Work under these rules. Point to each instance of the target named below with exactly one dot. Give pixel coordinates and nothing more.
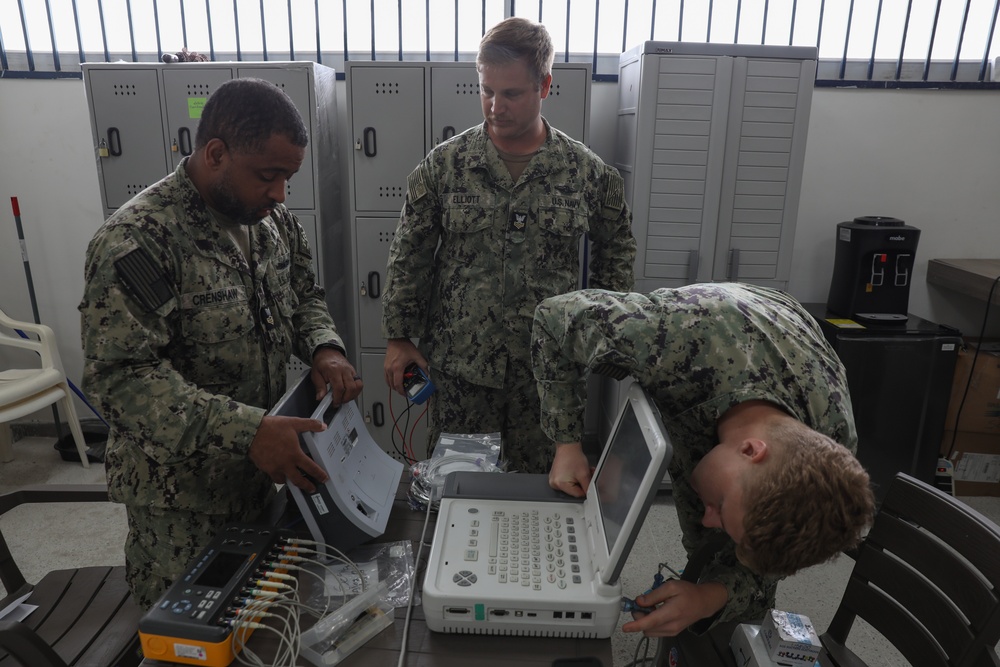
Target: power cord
(413, 587)
(975, 359)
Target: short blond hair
(813, 501)
(516, 39)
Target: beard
(226, 202)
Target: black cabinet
(900, 378)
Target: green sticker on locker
(480, 611)
(195, 106)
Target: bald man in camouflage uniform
(509, 202)
(707, 354)
(197, 292)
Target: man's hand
(681, 604)
(570, 471)
(330, 366)
(275, 450)
(400, 353)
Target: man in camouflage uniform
(508, 201)
(197, 291)
(755, 402)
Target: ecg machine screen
(621, 474)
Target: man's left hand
(679, 604)
(331, 367)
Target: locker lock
(102, 149)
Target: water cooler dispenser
(873, 269)
(899, 366)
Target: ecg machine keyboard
(530, 547)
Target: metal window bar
(989, 41)
(961, 38)
(930, 46)
(79, 36)
(952, 20)
(52, 37)
(27, 43)
(236, 20)
(131, 29)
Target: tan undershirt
(240, 234)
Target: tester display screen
(222, 568)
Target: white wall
(930, 158)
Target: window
(876, 42)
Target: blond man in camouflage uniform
(509, 202)
(197, 292)
(755, 402)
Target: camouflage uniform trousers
(161, 543)
(459, 406)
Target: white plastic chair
(27, 390)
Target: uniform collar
(485, 156)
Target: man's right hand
(275, 450)
(400, 353)
(570, 471)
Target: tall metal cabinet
(397, 112)
(711, 142)
(144, 117)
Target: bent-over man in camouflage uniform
(755, 402)
(197, 291)
(509, 202)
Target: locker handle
(734, 264)
(378, 414)
(184, 140)
(374, 284)
(447, 132)
(369, 133)
(693, 257)
(114, 142)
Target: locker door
(386, 144)
(125, 104)
(455, 101)
(681, 193)
(373, 237)
(185, 90)
(568, 102)
(295, 82)
(396, 429)
(756, 215)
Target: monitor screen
(620, 477)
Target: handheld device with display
(417, 384)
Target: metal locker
(567, 107)
(185, 91)
(374, 235)
(385, 413)
(387, 133)
(455, 102)
(127, 131)
(295, 82)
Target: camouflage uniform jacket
(698, 351)
(504, 247)
(179, 358)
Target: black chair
(85, 616)
(927, 578)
